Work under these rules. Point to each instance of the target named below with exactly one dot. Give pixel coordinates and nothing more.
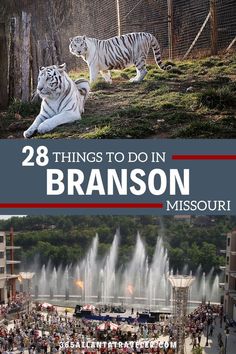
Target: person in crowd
(39, 331)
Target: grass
(193, 99)
(197, 350)
(23, 108)
(218, 98)
(18, 116)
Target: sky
(5, 217)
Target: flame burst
(130, 289)
(79, 283)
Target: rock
(190, 89)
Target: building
(7, 277)
(230, 276)
(183, 218)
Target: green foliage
(23, 108)
(17, 116)
(175, 70)
(224, 128)
(66, 239)
(101, 85)
(198, 350)
(97, 133)
(211, 62)
(220, 98)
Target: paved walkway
(213, 347)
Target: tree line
(66, 239)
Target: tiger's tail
(83, 87)
(157, 53)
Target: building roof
(8, 261)
(26, 275)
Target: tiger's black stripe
(117, 52)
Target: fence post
(4, 66)
(214, 28)
(170, 28)
(25, 62)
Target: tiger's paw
(27, 134)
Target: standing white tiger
(62, 99)
(116, 53)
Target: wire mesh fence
(183, 28)
(226, 16)
(148, 16)
(204, 26)
(176, 23)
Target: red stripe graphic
(203, 157)
(80, 205)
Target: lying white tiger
(116, 53)
(62, 99)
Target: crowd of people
(203, 319)
(19, 303)
(37, 332)
(42, 332)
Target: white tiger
(62, 99)
(116, 53)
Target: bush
(101, 85)
(210, 62)
(25, 109)
(131, 112)
(219, 98)
(175, 70)
(199, 129)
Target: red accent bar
(80, 205)
(203, 157)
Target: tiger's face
(50, 80)
(78, 46)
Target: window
(226, 278)
(2, 270)
(1, 239)
(227, 260)
(228, 241)
(1, 255)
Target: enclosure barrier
(36, 33)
